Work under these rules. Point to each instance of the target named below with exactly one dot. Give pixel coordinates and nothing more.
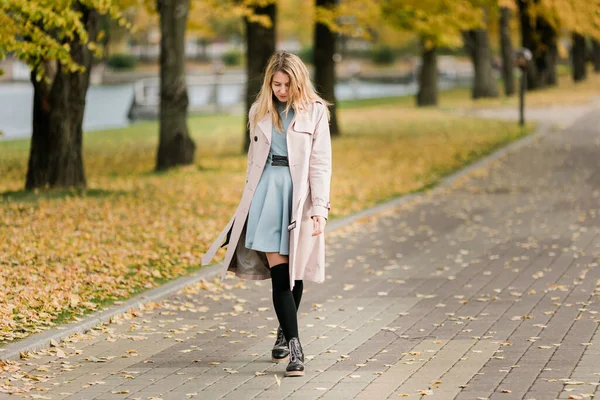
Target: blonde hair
(302, 92)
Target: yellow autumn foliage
(581, 16)
(36, 31)
(438, 22)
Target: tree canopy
(38, 31)
(438, 22)
(580, 16)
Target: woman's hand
(318, 225)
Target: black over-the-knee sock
(283, 300)
(297, 292)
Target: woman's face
(281, 86)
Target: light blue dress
(271, 207)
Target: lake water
(107, 106)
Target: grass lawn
(63, 253)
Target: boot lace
(280, 341)
(294, 351)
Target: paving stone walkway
(484, 290)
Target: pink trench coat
(309, 155)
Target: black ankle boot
(280, 350)
(296, 365)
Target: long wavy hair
(301, 91)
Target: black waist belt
(279, 161)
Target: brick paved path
(487, 290)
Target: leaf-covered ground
(63, 253)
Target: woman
(278, 228)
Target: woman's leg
(297, 292)
(285, 308)
(275, 259)
(280, 351)
(283, 298)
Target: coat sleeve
(319, 172)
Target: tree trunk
(540, 38)
(325, 43)
(578, 54)
(527, 41)
(260, 45)
(506, 49)
(596, 55)
(478, 47)
(549, 37)
(428, 78)
(55, 157)
(175, 146)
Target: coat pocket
(305, 125)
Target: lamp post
(522, 59)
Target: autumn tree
(539, 36)
(596, 55)
(323, 59)
(352, 18)
(541, 20)
(579, 55)
(260, 21)
(438, 23)
(175, 146)
(477, 45)
(582, 18)
(58, 40)
(506, 48)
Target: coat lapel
(266, 126)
